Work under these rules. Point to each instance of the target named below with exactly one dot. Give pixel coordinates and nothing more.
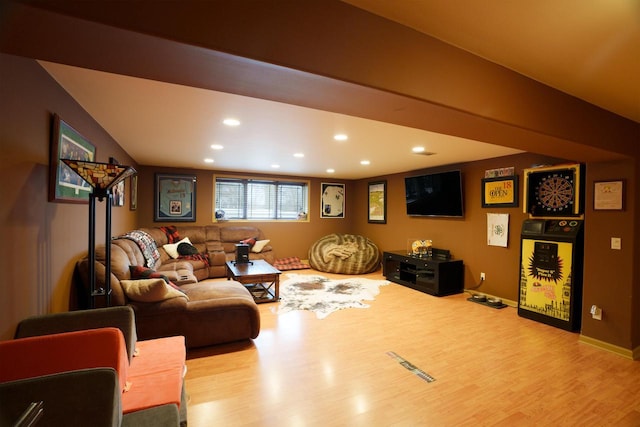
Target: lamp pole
(92, 250)
(101, 195)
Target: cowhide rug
(323, 296)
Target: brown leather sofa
(213, 311)
(218, 242)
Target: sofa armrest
(178, 271)
(121, 317)
(75, 398)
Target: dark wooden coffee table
(259, 277)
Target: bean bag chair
(344, 254)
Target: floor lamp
(102, 177)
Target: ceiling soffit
(392, 98)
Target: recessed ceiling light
(299, 155)
(275, 166)
(217, 146)
(365, 162)
(208, 160)
(231, 122)
(340, 137)
(418, 149)
(331, 170)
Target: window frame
(244, 180)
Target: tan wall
(287, 238)
(609, 273)
(466, 238)
(41, 240)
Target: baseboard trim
(620, 351)
(510, 303)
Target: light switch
(616, 243)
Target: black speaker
(242, 253)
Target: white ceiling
(587, 49)
(165, 124)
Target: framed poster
(500, 192)
(608, 195)
(66, 143)
(175, 197)
(498, 229)
(117, 191)
(331, 200)
(133, 196)
(377, 202)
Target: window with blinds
(260, 199)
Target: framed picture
(117, 194)
(500, 192)
(377, 202)
(175, 197)
(331, 200)
(608, 195)
(133, 193)
(65, 185)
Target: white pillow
(259, 245)
(149, 290)
(172, 248)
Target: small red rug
(291, 263)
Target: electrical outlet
(482, 277)
(616, 243)
(596, 312)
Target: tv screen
(436, 194)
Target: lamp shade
(101, 176)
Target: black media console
(430, 275)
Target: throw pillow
(172, 248)
(149, 290)
(250, 241)
(186, 249)
(259, 246)
(139, 272)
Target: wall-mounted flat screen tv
(435, 194)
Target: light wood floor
(491, 367)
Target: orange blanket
(155, 374)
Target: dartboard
(552, 192)
(555, 192)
